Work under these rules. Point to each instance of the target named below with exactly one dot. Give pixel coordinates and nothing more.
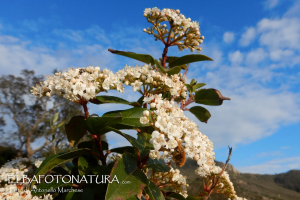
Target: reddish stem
(97, 139)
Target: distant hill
(285, 186)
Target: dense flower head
(18, 167)
(86, 83)
(183, 32)
(173, 128)
(172, 179)
(15, 169)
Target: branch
(40, 148)
(220, 174)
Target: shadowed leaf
(140, 57)
(189, 59)
(75, 129)
(210, 97)
(201, 113)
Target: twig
(219, 176)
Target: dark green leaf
(173, 70)
(210, 97)
(144, 144)
(54, 160)
(122, 150)
(97, 125)
(130, 139)
(201, 113)
(132, 179)
(194, 198)
(101, 170)
(75, 129)
(159, 67)
(130, 117)
(153, 191)
(189, 59)
(91, 145)
(86, 163)
(88, 193)
(158, 165)
(74, 196)
(175, 196)
(140, 57)
(60, 170)
(140, 101)
(112, 99)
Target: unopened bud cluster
(224, 186)
(181, 31)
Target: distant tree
(30, 115)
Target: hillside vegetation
(285, 186)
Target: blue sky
(255, 46)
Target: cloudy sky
(255, 46)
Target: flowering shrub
(165, 136)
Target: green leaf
(75, 129)
(170, 59)
(101, 170)
(198, 85)
(194, 198)
(159, 67)
(97, 125)
(112, 99)
(153, 191)
(201, 113)
(54, 160)
(144, 144)
(88, 193)
(158, 165)
(91, 145)
(210, 97)
(86, 163)
(74, 196)
(122, 150)
(173, 70)
(169, 71)
(130, 139)
(175, 196)
(44, 187)
(60, 170)
(130, 117)
(55, 117)
(189, 59)
(127, 171)
(140, 57)
(60, 124)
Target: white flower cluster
(13, 192)
(14, 170)
(173, 128)
(88, 82)
(173, 179)
(184, 32)
(83, 82)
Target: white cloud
(248, 36)
(228, 37)
(256, 56)
(269, 4)
(273, 166)
(235, 57)
(280, 33)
